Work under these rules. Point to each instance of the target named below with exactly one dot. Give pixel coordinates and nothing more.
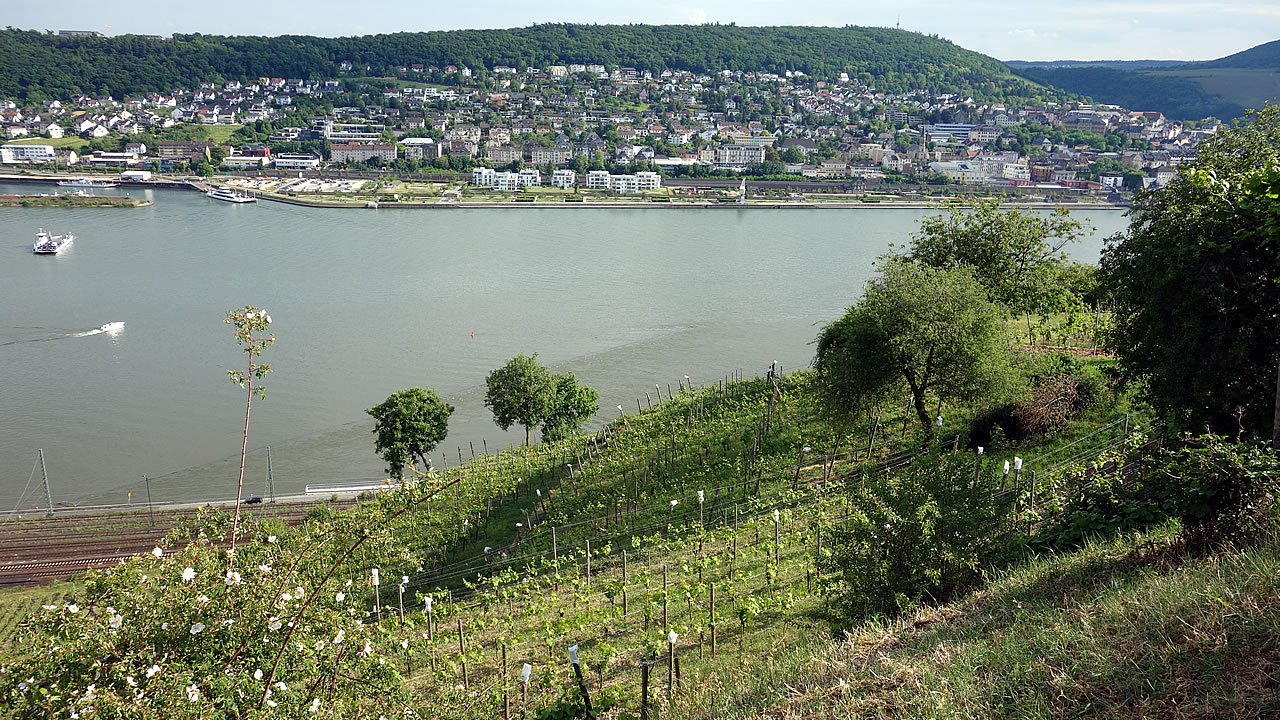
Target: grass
(70, 142)
(1130, 628)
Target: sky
(1020, 30)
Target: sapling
(250, 325)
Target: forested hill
(36, 65)
(1262, 57)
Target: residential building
(597, 179)
(564, 179)
(739, 155)
(355, 152)
(529, 177)
(28, 153)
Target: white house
(564, 179)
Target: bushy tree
(932, 329)
(520, 392)
(571, 406)
(1014, 254)
(1196, 283)
(409, 424)
(919, 535)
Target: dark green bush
(1221, 491)
(918, 535)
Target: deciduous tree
(409, 424)
(520, 392)
(932, 329)
(1196, 279)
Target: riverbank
(72, 201)
(435, 202)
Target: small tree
(930, 328)
(409, 424)
(520, 392)
(1015, 255)
(571, 406)
(250, 327)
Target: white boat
(226, 193)
(111, 327)
(85, 182)
(47, 244)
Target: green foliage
(1061, 388)
(34, 65)
(917, 536)
(1197, 285)
(1221, 491)
(409, 424)
(1013, 253)
(931, 328)
(571, 406)
(520, 392)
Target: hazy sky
(1024, 30)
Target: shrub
(1221, 491)
(919, 535)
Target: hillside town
(569, 125)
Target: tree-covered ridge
(35, 64)
(1175, 96)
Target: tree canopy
(407, 425)
(571, 406)
(1196, 279)
(932, 329)
(35, 65)
(1015, 255)
(520, 392)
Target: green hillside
(35, 65)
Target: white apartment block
(529, 177)
(598, 179)
(564, 179)
(623, 184)
(488, 177)
(739, 155)
(15, 153)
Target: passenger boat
(85, 182)
(47, 244)
(226, 193)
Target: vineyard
(681, 545)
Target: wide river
(367, 302)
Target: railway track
(39, 550)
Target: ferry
(112, 327)
(47, 244)
(85, 182)
(226, 193)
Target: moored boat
(85, 182)
(47, 244)
(229, 195)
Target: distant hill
(1262, 57)
(1117, 64)
(36, 65)
(1221, 88)
(1178, 97)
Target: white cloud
(698, 16)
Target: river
(367, 302)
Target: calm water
(369, 302)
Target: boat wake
(111, 328)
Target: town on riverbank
(451, 135)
